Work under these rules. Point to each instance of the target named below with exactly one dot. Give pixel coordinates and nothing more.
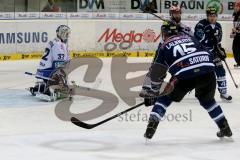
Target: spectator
(236, 34)
(51, 7)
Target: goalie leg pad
(58, 77)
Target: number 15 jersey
(184, 57)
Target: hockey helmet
(169, 28)
(211, 11)
(63, 32)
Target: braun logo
(83, 4)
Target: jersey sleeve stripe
(193, 67)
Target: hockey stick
(222, 52)
(149, 8)
(79, 123)
(32, 74)
(230, 74)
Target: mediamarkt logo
(115, 36)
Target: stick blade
(81, 124)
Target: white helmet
(63, 32)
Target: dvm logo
(137, 4)
(83, 4)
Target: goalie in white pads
(51, 79)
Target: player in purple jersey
(191, 67)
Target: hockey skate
(40, 87)
(224, 130)
(54, 94)
(151, 127)
(33, 90)
(226, 97)
(236, 66)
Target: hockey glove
(149, 101)
(221, 53)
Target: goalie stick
(79, 123)
(32, 74)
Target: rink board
(32, 56)
(27, 39)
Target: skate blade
(226, 101)
(226, 139)
(147, 141)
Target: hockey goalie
(51, 78)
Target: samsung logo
(23, 37)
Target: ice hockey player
(236, 34)
(175, 14)
(191, 67)
(209, 33)
(50, 71)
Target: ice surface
(29, 128)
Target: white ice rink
(30, 130)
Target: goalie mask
(63, 32)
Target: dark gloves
(221, 53)
(149, 101)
